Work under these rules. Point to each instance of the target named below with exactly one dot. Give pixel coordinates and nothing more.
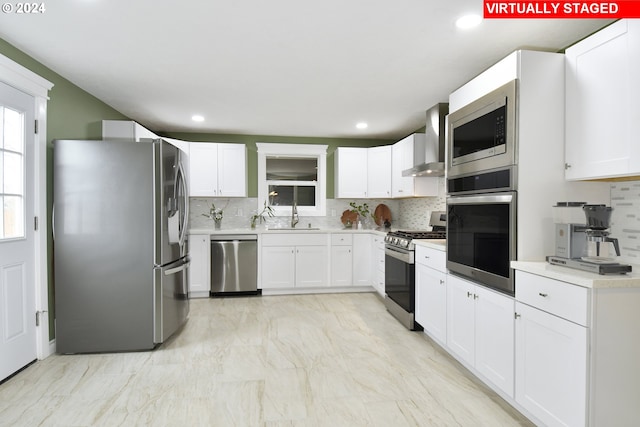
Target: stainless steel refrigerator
(119, 222)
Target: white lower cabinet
(431, 292)
(377, 258)
(199, 272)
(295, 260)
(480, 331)
(341, 259)
(278, 267)
(361, 260)
(551, 367)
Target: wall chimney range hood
(428, 153)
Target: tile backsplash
(625, 219)
(405, 213)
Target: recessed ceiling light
(468, 21)
(197, 118)
(362, 125)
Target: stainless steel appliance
(481, 228)
(119, 222)
(234, 265)
(428, 152)
(482, 134)
(594, 233)
(400, 269)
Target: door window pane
(12, 159)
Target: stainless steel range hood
(428, 154)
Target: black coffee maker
(598, 220)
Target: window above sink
(292, 172)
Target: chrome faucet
(294, 215)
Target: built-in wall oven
(481, 228)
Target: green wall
(252, 153)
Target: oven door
(399, 276)
(481, 238)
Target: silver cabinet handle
(469, 294)
(543, 295)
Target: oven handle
(404, 256)
(482, 199)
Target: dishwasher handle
(232, 237)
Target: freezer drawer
(234, 265)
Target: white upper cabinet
(125, 129)
(603, 104)
(350, 172)
(363, 172)
(379, 172)
(402, 159)
(218, 170)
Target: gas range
(404, 239)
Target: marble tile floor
(308, 360)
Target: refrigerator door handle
(185, 264)
(182, 180)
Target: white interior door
(17, 250)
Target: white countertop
(439, 244)
(578, 277)
(263, 230)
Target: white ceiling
(275, 67)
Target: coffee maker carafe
(598, 219)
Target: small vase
(217, 223)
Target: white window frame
(318, 152)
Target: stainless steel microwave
(482, 134)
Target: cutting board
(382, 213)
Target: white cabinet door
(431, 301)
(377, 258)
(350, 172)
(341, 265)
(461, 318)
(603, 103)
(125, 129)
(200, 269)
(232, 166)
(278, 267)
(311, 266)
(203, 169)
(217, 170)
(379, 172)
(551, 367)
(401, 159)
(495, 338)
(361, 259)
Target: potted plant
(362, 211)
(216, 215)
(266, 210)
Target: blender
(587, 246)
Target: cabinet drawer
(341, 239)
(431, 258)
(294, 239)
(565, 300)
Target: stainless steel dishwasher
(234, 265)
